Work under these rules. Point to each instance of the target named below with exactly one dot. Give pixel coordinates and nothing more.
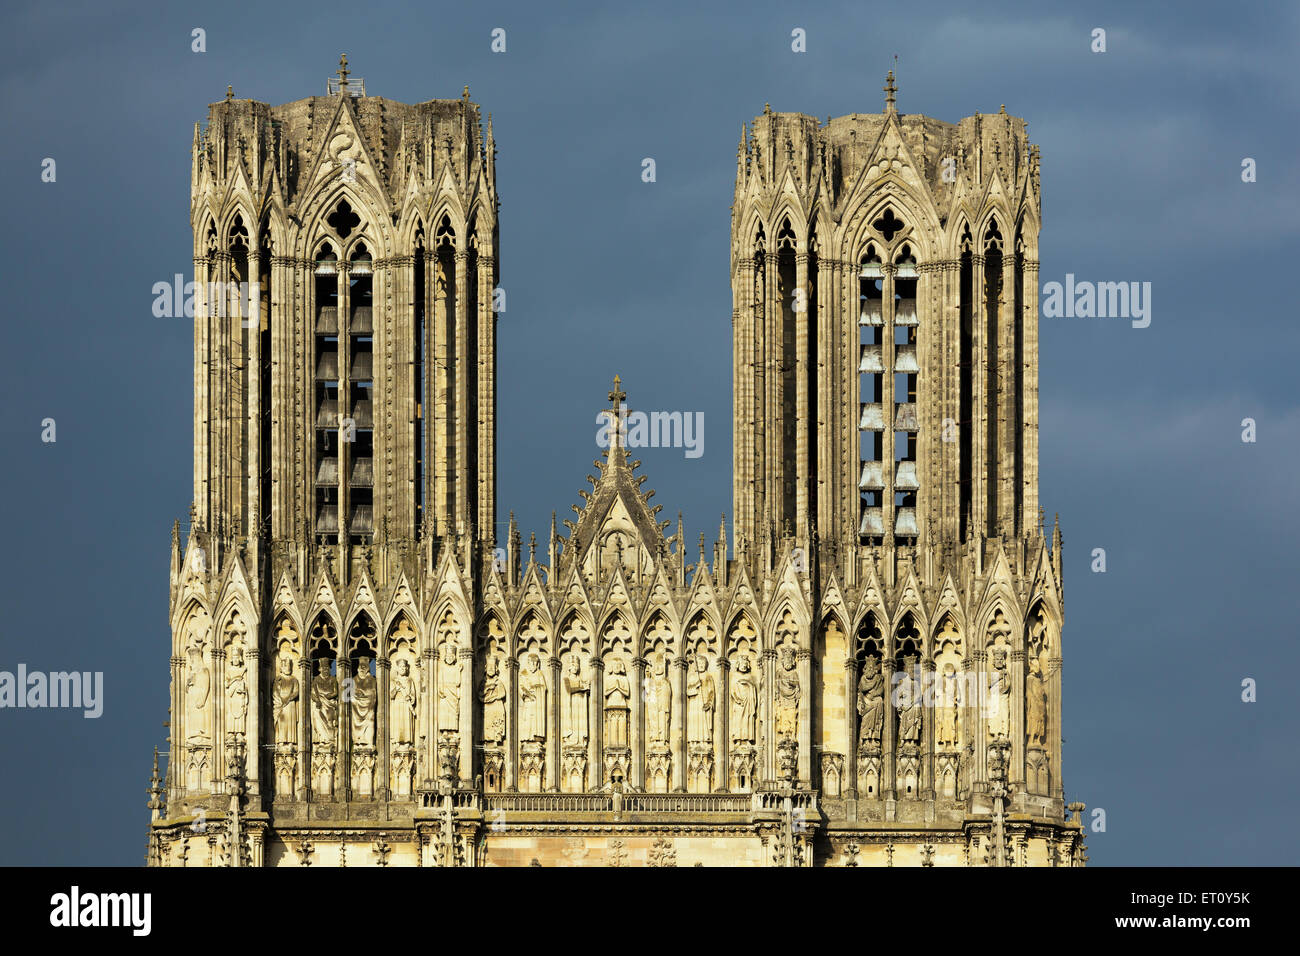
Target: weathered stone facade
(360, 676)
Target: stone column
(888, 737)
(1054, 728)
(979, 403)
(427, 715)
(766, 768)
(929, 694)
(977, 664)
(1016, 768)
(805, 718)
(849, 783)
(510, 673)
(304, 725)
(383, 768)
(596, 725)
(721, 726)
(636, 732)
(461, 484)
(467, 735)
(554, 770)
(252, 719)
(677, 727)
(176, 777)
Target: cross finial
(343, 72)
(890, 89)
(230, 92)
(616, 398)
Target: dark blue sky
(1140, 445)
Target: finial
(464, 94)
(343, 72)
(532, 547)
(230, 92)
(616, 397)
(890, 88)
(1003, 110)
(767, 109)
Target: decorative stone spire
(890, 89)
(616, 398)
(230, 92)
(343, 74)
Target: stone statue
(365, 692)
(998, 713)
(744, 702)
(1036, 703)
(577, 689)
(907, 697)
(618, 692)
(532, 700)
(284, 701)
(198, 687)
(493, 695)
(948, 726)
(405, 698)
(871, 702)
(788, 692)
(449, 668)
(701, 696)
(324, 705)
(236, 692)
(659, 701)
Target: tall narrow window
(871, 385)
(965, 385)
(241, 329)
(993, 293)
(906, 371)
(787, 286)
(360, 450)
(1018, 422)
(264, 380)
(327, 396)
(419, 379)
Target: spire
(616, 397)
(890, 89)
(343, 74)
(551, 550)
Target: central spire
(616, 398)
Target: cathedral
(864, 669)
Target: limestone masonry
(866, 671)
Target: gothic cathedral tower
(359, 675)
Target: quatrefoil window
(343, 220)
(888, 225)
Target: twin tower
(865, 671)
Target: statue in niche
(198, 687)
(907, 696)
(948, 725)
(744, 702)
(493, 695)
(284, 701)
(659, 701)
(532, 700)
(405, 698)
(577, 688)
(324, 705)
(701, 696)
(618, 692)
(236, 692)
(449, 669)
(788, 692)
(1036, 703)
(871, 702)
(999, 701)
(365, 693)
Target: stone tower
(360, 675)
